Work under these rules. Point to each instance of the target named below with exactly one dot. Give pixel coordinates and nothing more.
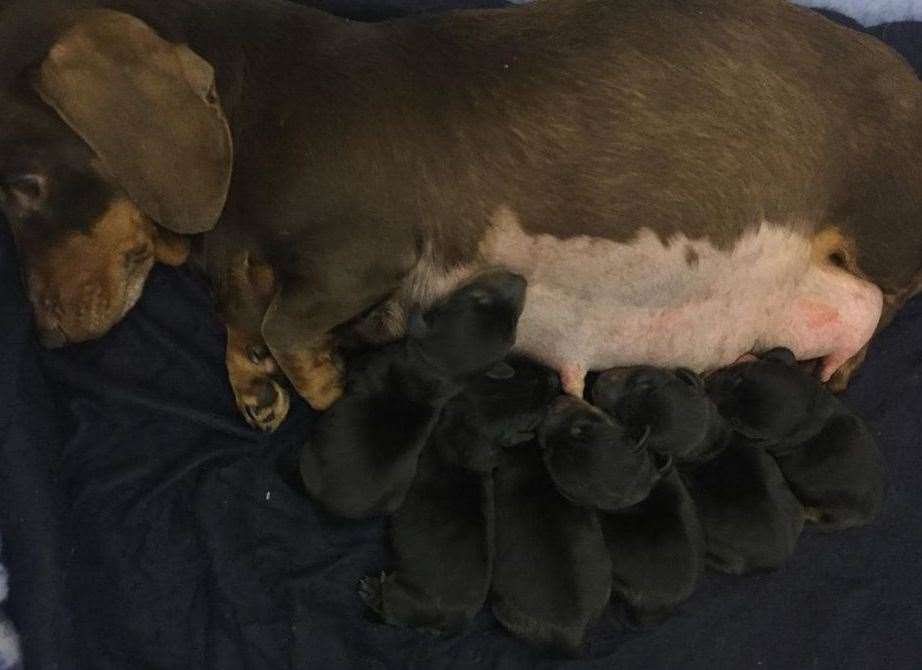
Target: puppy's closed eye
(481, 298)
(582, 430)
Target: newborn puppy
(594, 461)
(825, 452)
(442, 537)
(657, 552)
(499, 409)
(750, 517)
(443, 534)
(362, 453)
(552, 573)
(672, 404)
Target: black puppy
(657, 545)
(671, 404)
(552, 574)
(362, 454)
(825, 452)
(500, 409)
(594, 461)
(657, 552)
(443, 535)
(750, 517)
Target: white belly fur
(594, 304)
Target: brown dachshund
(680, 183)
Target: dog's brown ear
(149, 110)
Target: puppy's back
(838, 475)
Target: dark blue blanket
(145, 526)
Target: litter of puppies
(549, 508)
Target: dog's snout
(265, 393)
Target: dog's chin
(95, 326)
(134, 287)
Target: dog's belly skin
(594, 304)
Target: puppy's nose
(566, 403)
(553, 381)
(512, 287)
(609, 388)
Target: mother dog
(680, 182)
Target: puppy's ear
(149, 110)
(417, 327)
(779, 355)
(689, 377)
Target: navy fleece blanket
(146, 526)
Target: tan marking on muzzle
(86, 282)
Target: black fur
(443, 535)
(552, 574)
(594, 461)
(657, 552)
(361, 457)
(494, 412)
(751, 519)
(826, 453)
(672, 404)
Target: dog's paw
(323, 387)
(316, 373)
(251, 370)
(264, 404)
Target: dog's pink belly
(596, 304)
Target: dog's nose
(265, 393)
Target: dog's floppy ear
(149, 110)
(779, 355)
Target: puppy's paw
(264, 405)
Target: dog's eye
(137, 255)
(257, 353)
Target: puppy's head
(672, 405)
(112, 147)
(769, 398)
(594, 461)
(499, 409)
(474, 327)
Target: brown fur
(357, 146)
